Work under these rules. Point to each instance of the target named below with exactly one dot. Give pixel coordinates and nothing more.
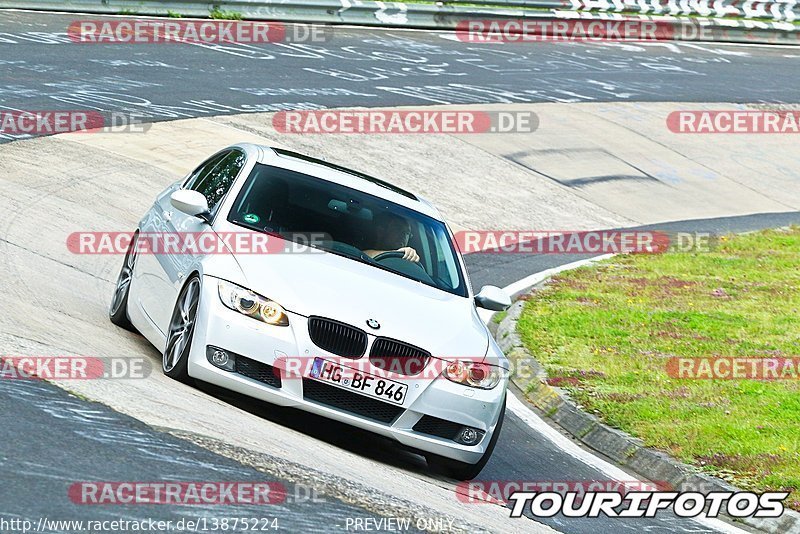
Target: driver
(392, 235)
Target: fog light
(469, 436)
(220, 358)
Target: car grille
(337, 338)
(398, 357)
(264, 373)
(354, 403)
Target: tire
(118, 310)
(462, 470)
(174, 361)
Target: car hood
(328, 285)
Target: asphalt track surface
(40, 69)
(505, 269)
(53, 440)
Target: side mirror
(190, 202)
(492, 298)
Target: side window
(447, 268)
(216, 182)
(205, 168)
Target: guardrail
(775, 10)
(770, 21)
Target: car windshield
(349, 223)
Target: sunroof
(367, 177)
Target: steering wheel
(344, 248)
(389, 254)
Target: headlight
(251, 304)
(476, 375)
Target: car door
(213, 182)
(151, 267)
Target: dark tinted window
(218, 180)
(349, 223)
(201, 171)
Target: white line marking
(529, 281)
(532, 280)
(530, 418)
(568, 446)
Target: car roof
(341, 175)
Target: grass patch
(220, 14)
(606, 332)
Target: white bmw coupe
(354, 305)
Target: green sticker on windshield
(251, 218)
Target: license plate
(359, 382)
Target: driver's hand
(409, 254)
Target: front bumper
(219, 326)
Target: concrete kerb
(556, 405)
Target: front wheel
(118, 311)
(462, 470)
(175, 361)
